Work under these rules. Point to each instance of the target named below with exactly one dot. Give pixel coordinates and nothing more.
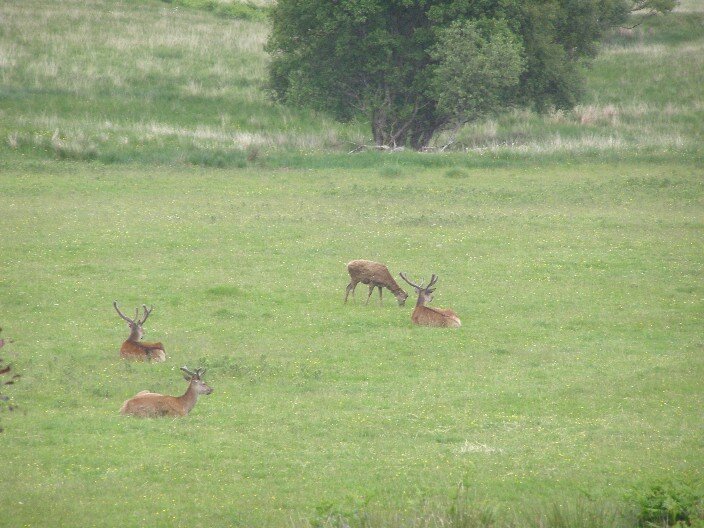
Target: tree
(477, 65)
(414, 67)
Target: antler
(409, 282)
(146, 313)
(433, 280)
(199, 373)
(114, 303)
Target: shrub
(671, 504)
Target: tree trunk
(414, 132)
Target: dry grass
(66, 56)
(257, 3)
(684, 52)
(591, 114)
(690, 6)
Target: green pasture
(576, 374)
(142, 161)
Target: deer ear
(187, 377)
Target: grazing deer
(133, 348)
(425, 315)
(148, 404)
(376, 275)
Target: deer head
(425, 294)
(136, 330)
(196, 380)
(401, 297)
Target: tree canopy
(414, 67)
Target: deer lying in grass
(147, 404)
(133, 348)
(376, 275)
(425, 315)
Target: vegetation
(413, 68)
(578, 287)
(671, 504)
(141, 82)
(250, 10)
(140, 162)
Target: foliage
(397, 62)
(671, 504)
(652, 6)
(476, 67)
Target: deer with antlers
(425, 315)
(376, 275)
(133, 347)
(146, 404)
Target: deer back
(438, 317)
(143, 351)
(152, 405)
(370, 272)
(146, 404)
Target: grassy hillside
(148, 82)
(160, 82)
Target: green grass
(226, 8)
(143, 81)
(577, 371)
(141, 160)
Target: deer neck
(189, 399)
(394, 287)
(135, 335)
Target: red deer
(148, 404)
(425, 315)
(133, 348)
(376, 275)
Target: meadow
(149, 82)
(142, 164)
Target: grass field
(577, 371)
(140, 162)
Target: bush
(671, 504)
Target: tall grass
(121, 81)
(643, 95)
(156, 82)
(250, 10)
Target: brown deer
(376, 275)
(425, 315)
(133, 348)
(148, 404)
